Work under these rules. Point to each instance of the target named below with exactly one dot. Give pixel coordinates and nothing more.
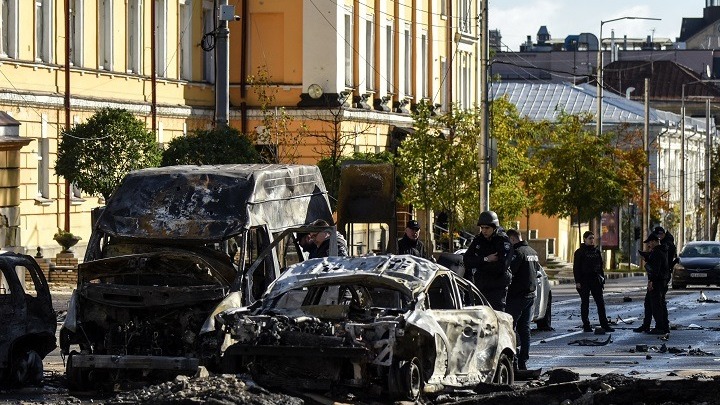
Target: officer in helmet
(487, 260)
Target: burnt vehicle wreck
(386, 325)
(27, 330)
(169, 247)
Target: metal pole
(67, 105)
(598, 119)
(681, 237)
(222, 66)
(646, 171)
(708, 166)
(484, 149)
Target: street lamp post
(598, 120)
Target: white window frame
(442, 98)
(43, 31)
(185, 32)
(208, 57)
(389, 57)
(161, 13)
(9, 29)
(407, 61)
(77, 18)
(370, 53)
(465, 16)
(348, 38)
(424, 47)
(43, 158)
(134, 36)
(105, 38)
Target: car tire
(678, 286)
(504, 374)
(78, 379)
(545, 323)
(406, 379)
(27, 368)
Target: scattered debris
(641, 348)
(619, 319)
(591, 342)
(627, 299)
(694, 326)
(562, 375)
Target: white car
(543, 295)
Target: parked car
(397, 326)
(169, 247)
(27, 330)
(543, 295)
(698, 264)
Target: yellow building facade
(320, 69)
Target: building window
(348, 51)
(186, 45)
(208, 57)
(105, 30)
(43, 31)
(442, 99)
(465, 16)
(407, 62)
(389, 57)
(161, 38)
(134, 36)
(424, 65)
(43, 157)
(370, 54)
(9, 18)
(76, 30)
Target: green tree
(516, 186)
(97, 154)
(582, 179)
(221, 145)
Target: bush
(222, 145)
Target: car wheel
(546, 322)
(504, 374)
(406, 381)
(27, 368)
(78, 379)
(678, 286)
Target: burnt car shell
(27, 330)
(170, 245)
(395, 325)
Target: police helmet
(489, 218)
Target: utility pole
(67, 104)
(646, 172)
(484, 147)
(222, 65)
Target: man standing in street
(525, 266)
(322, 241)
(590, 279)
(410, 243)
(656, 266)
(487, 260)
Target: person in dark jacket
(667, 243)
(590, 279)
(322, 241)
(487, 260)
(656, 267)
(410, 243)
(525, 266)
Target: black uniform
(657, 270)
(407, 246)
(324, 249)
(491, 278)
(588, 272)
(525, 266)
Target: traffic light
(637, 232)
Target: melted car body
(169, 247)
(27, 330)
(397, 325)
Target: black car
(699, 263)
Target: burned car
(169, 247)
(27, 331)
(389, 325)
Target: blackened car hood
(212, 203)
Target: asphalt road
(695, 331)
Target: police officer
(487, 260)
(590, 279)
(657, 268)
(410, 243)
(525, 266)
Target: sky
(516, 19)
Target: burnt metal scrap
(384, 325)
(591, 342)
(27, 320)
